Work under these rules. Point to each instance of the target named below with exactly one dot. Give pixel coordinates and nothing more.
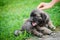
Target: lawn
(13, 13)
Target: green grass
(13, 13)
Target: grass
(13, 13)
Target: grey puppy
(41, 18)
(39, 24)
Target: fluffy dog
(39, 24)
(41, 18)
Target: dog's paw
(54, 28)
(52, 34)
(17, 32)
(40, 35)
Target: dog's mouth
(34, 23)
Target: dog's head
(38, 17)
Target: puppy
(41, 18)
(27, 26)
(39, 24)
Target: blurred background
(13, 13)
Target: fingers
(44, 6)
(41, 5)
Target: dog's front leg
(35, 32)
(51, 26)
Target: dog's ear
(43, 16)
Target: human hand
(44, 5)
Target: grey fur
(44, 24)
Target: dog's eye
(34, 15)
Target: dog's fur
(39, 24)
(41, 18)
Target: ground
(13, 13)
(55, 36)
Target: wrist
(53, 2)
